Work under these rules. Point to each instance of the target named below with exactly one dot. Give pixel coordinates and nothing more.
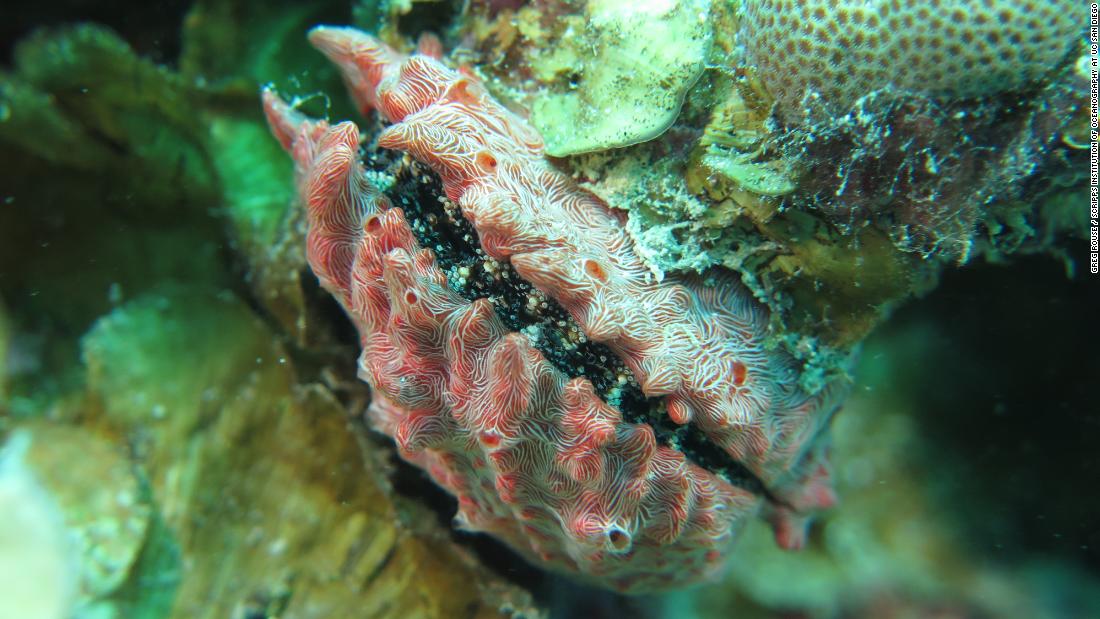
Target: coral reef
(838, 52)
(835, 212)
(536, 458)
(181, 430)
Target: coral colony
(953, 49)
(600, 421)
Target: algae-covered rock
(100, 500)
(639, 59)
(100, 142)
(258, 203)
(228, 49)
(111, 111)
(30, 119)
(37, 569)
(666, 220)
(99, 145)
(261, 481)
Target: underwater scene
(549, 309)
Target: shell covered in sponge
(846, 49)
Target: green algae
(139, 114)
(259, 205)
(760, 178)
(157, 155)
(98, 142)
(180, 334)
(257, 195)
(33, 122)
(150, 590)
(229, 48)
(628, 80)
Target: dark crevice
(1008, 436)
(438, 225)
(152, 29)
(433, 17)
(704, 452)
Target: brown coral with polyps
(843, 50)
(643, 496)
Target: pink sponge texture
(535, 457)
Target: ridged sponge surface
(529, 448)
(845, 49)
